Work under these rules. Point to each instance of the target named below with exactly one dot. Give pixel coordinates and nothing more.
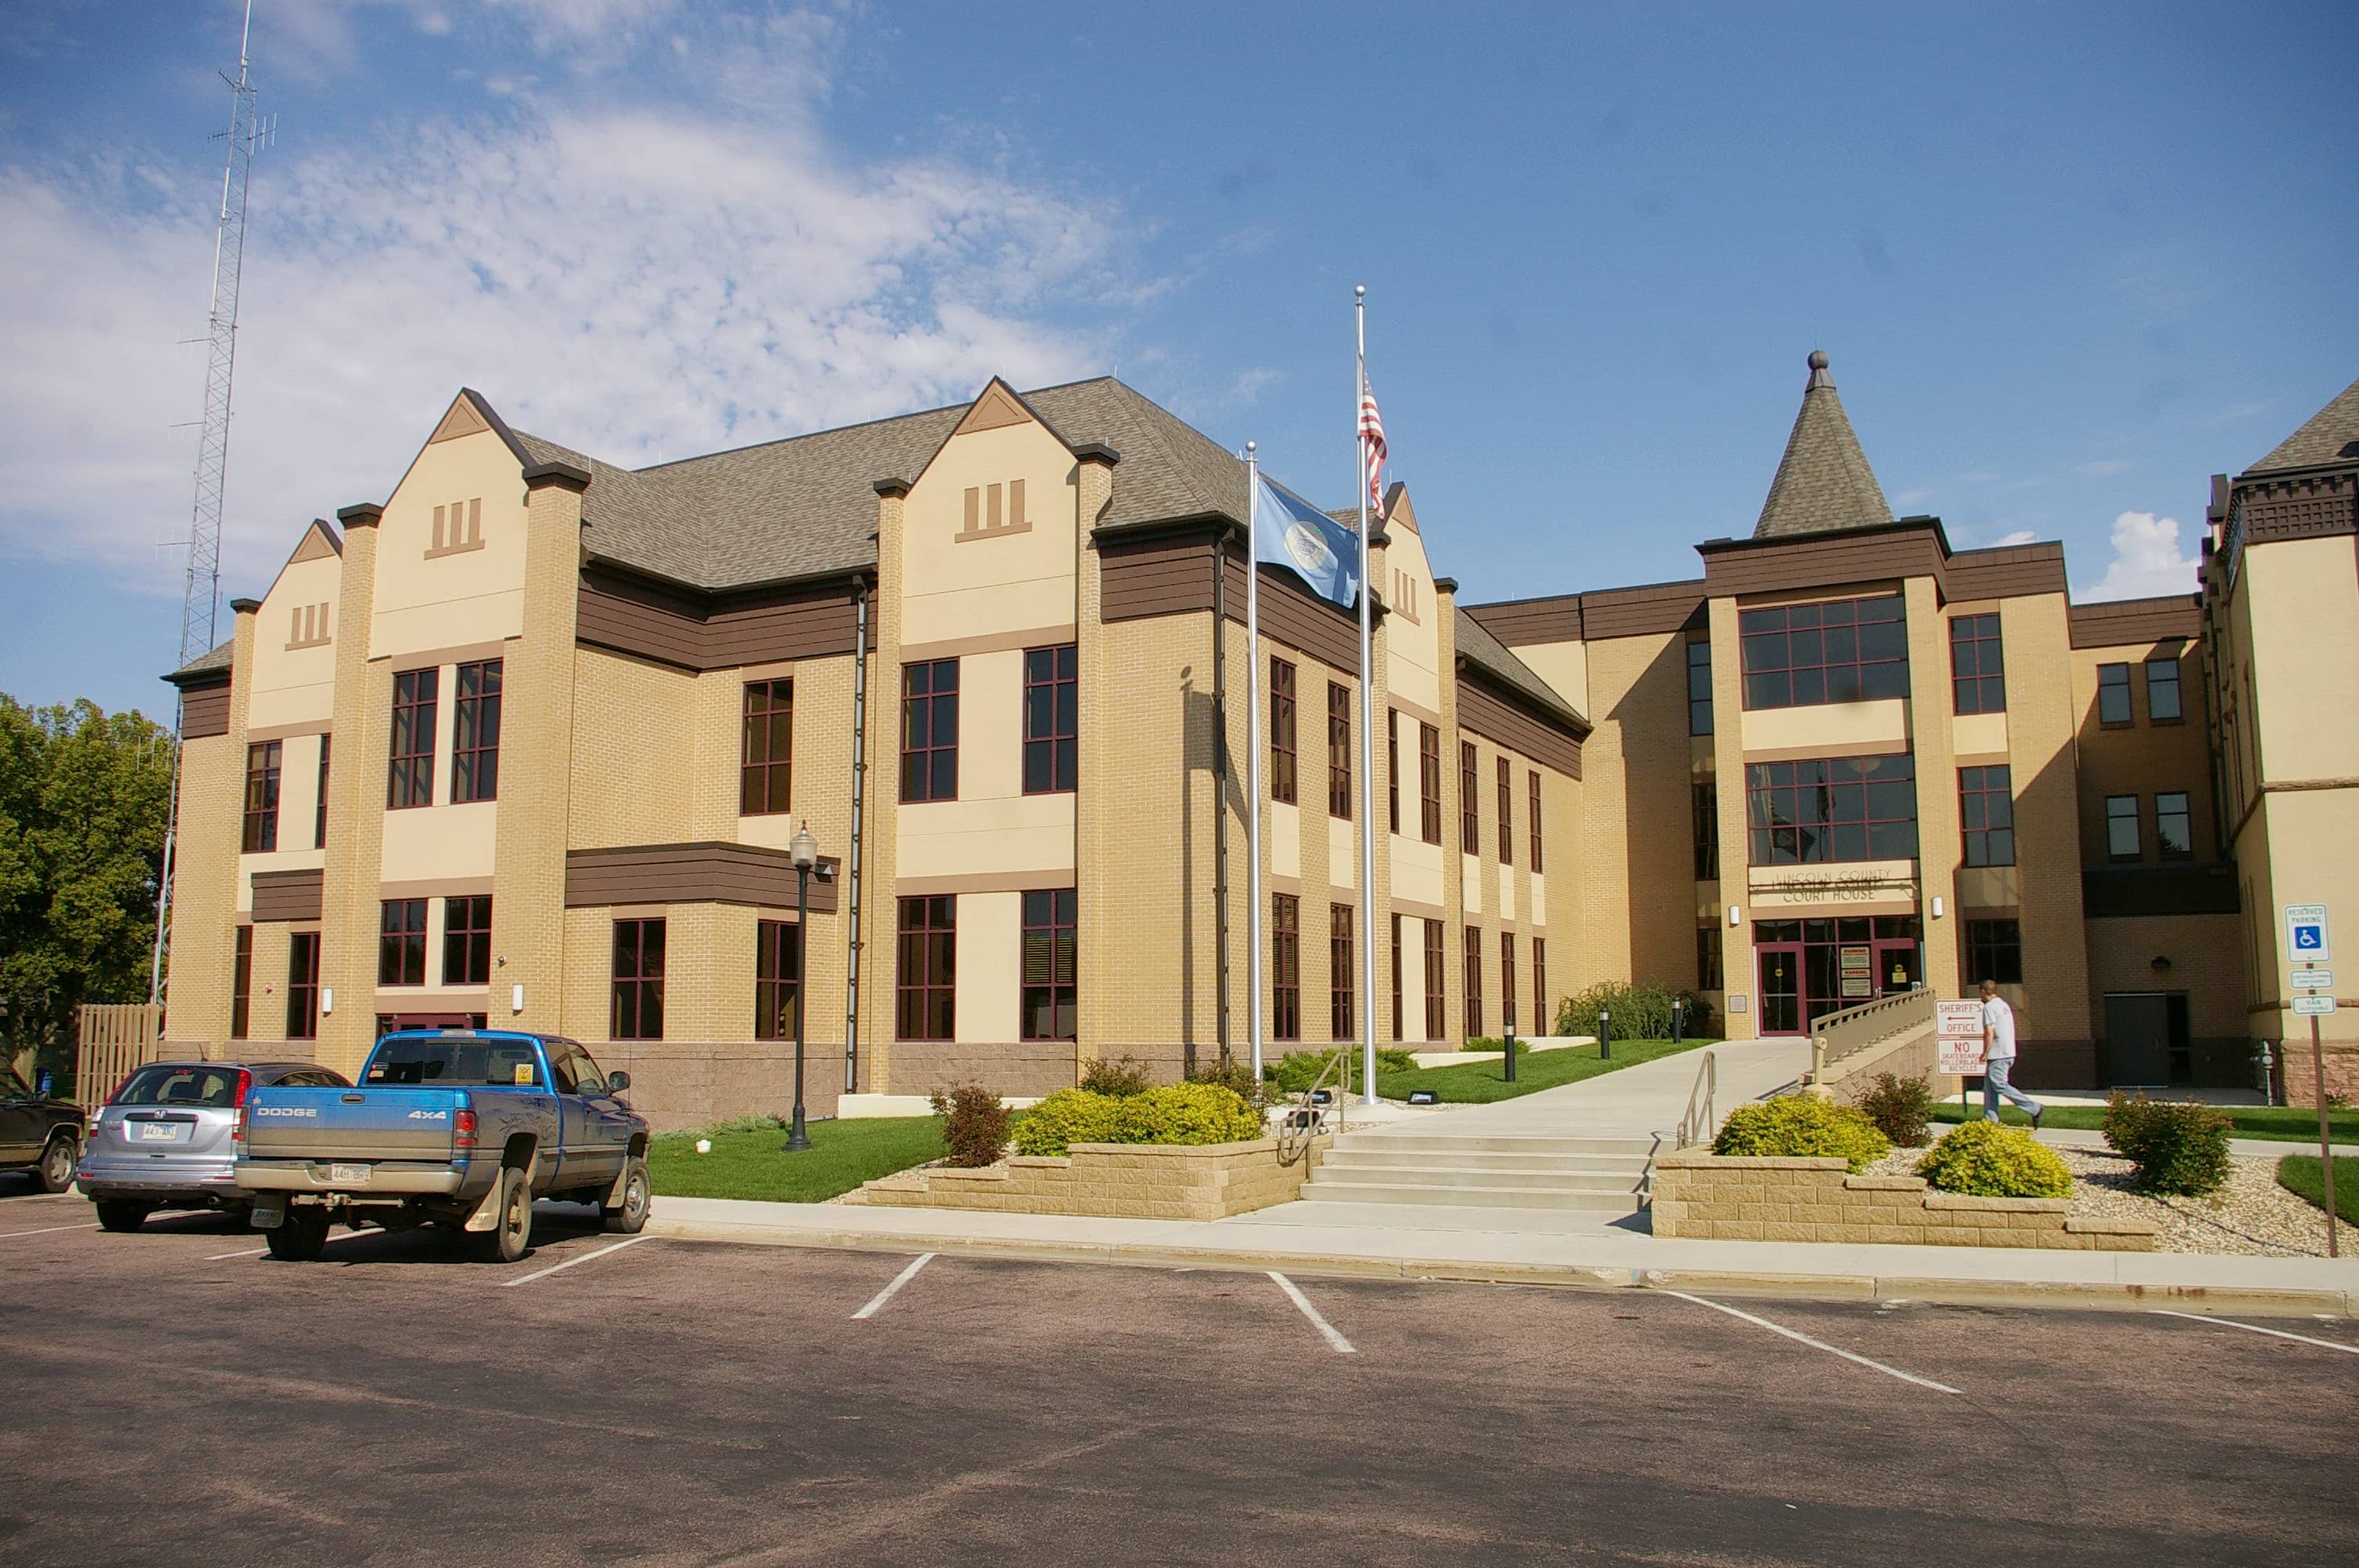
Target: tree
(83, 795)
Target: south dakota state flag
(1293, 534)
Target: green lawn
(2301, 1174)
(1479, 1083)
(754, 1164)
(2288, 1124)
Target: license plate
(157, 1132)
(349, 1175)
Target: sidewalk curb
(2103, 1295)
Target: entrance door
(1781, 987)
(2137, 1039)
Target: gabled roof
(2331, 433)
(1823, 483)
(212, 663)
(1476, 645)
(806, 506)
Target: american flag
(1372, 447)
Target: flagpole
(1367, 730)
(1253, 756)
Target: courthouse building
(528, 743)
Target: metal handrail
(1299, 1127)
(1700, 1121)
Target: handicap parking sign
(2306, 938)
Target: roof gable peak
(1824, 484)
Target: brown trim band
(436, 887)
(693, 630)
(701, 872)
(1052, 879)
(990, 642)
(1412, 908)
(434, 658)
(1982, 759)
(288, 895)
(1756, 911)
(1887, 748)
(204, 712)
(288, 732)
(1416, 711)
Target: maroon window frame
(1541, 1022)
(1508, 981)
(241, 985)
(1803, 655)
(638, 981)
(1977, 664)
(320, 809)
(1474, 944)
(765, 751)
(401, 942)
(475, 734)
(1470, 800)
(1832, 810)
(1339, 751)
(1397, 976)
(1052, 725)
(1532, 809)
(777, 979)
(1340, 1023)
(1437, 1025)
(1986, 814)
(1281, 731)
(1050, 991)
(409, 778)
(303, 985)
(260, 836)
(1392, 769)
(467, 940)
(1506, 812)
(1286, 967)
(926, 985)
(930, 731)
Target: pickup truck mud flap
(269, 1212)
(486, 1214)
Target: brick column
(1939, 845)
(1739, 974)
(1099, 817)
(1453, 901)
(361, 720)
(880, 911)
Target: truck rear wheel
(630, 1216)
(299, 1237)
(58, 1163)
(505, 1242)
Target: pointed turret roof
(2331, 433)
(1823, 483)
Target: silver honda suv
(163, 1141)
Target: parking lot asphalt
(177, 1396)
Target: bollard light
(1604, 1034)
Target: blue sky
(2068, 261)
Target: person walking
(1998, 1058)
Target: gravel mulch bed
(2252, 1216)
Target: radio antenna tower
(201, 594)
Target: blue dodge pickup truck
(460, 1128)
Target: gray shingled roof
(2331, 433)
(206, 663)
(804, 506)
(1823, 483)
(1475, 642)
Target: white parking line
(878, 1304)
(2256, 1328)
(249, 1252)
(45, 1230)
(1343, 1346)
(560, 1268)
(1817, 1344)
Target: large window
(1049, 964)
(401, 942)
(1428, 787)
(1281, 730)
(467, 940)
(1698, 687)
(1285, 967)
(1703, 818)
(1340, 1025)
(1437, 1026)
(1470, 800)
(1797, 655)
(1532, 817)
(925, 988)
(1392, 768)
(261, 835)
(1397, 976)
(410, 780)
(1506, 812)
(2174, 831)
(241, 985)
(475, 734)
(1052, 723)
(638, 981)
(319, 808)
(1339, 751)
(2162, 705)
(766, 750)
(1472, 937)
(1977, 664)
(1508, 981)
(2113, 694)
(1995, 952)
(1839, 809)
(930, 731)
(777, 979)
(303, 985)
(1708, 957)
(2122, 828)
(1986, 813)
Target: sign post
(2308, 940)
(1958, 1042)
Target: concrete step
(1474, 1197)
(1479, 1181)
(1389, 1139)
(1391, 1156)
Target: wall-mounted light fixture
(327, 999)
(1936, 906)
(516, 997)
(1735, 915)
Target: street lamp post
(804, 852)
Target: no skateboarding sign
(1958, 1038)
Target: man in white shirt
(1998, 1058)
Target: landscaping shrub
(1234, 1075)
(1064, 1119)
(1120, 1077)
(1490, 1043)
(1802, 1126)
(1985, 1159)
(974, 1124)
(2176, 1146)
(1902, 1108)
(1298, 1070)
(1640, 1012)
(1185, 1113)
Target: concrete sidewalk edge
(2084, 1294)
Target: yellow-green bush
(1985, 1159)
(1185, 1113)
(1064, 1119)
(1802, 1126)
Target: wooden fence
(115, 1040)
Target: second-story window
(1429, 789)
(409, 781)
(261, 835)
(2174, 829)
(638, 981)
(930, 731)
(1839, 809)
(1339, 751)
(1704, 813)
(467, 940)
(2122, 828)
(1698, 687)
(1977, 664)
(475, 734)
(1506, 812)
(2162, 704)
(1798, 655)
(1532, 817)
(319, 808)
(1052, 722)
(1469, 801)
(766, 749)
(1281, 731)
(1392, 770)
(2113, 694)
(1986, 813)
(401, 942)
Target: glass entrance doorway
(1809, 968)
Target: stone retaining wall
(1722, 1198)
(1115, 1180)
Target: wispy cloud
(2019, 537)
(2146, 562)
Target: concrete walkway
(1632, 1101)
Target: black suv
(38, 1133)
